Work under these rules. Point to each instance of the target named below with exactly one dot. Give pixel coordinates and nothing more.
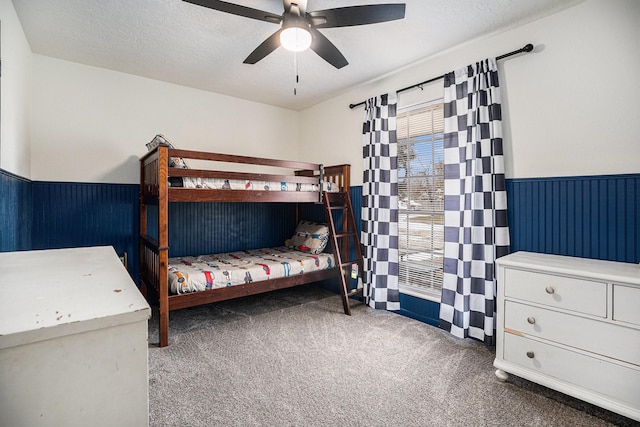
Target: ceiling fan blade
(357, 15)
(236, 9)
(265, 48)
(326, 50)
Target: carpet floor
(292, 358)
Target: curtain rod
(527, 48)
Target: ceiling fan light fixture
(295, 39)
(299, 29)
(295, 35)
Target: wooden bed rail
(228, 158)
(149, 263)
(149, 185)
(339, 175)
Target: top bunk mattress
(204, 272)
(237, 184)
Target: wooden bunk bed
(155, 190)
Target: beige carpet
(292, 358)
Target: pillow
(174, 162)
(310, 237)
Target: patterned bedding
(233, 184)
(199, 273)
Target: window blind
(420, 132)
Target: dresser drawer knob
(531, 320)
(530, 354)
(550, 290)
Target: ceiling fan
(299, 29)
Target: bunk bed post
(163, 243)
(321, 178)
(345, 186)
(143, 224)
(346, 177)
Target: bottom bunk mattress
(203, 272)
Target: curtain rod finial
(528, 48)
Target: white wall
(94, 123)
(570, 107)
(15, 94)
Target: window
(421, 199)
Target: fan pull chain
(295, 66)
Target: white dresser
(73, 340)
(573, 325)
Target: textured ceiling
(178, 42)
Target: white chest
(573, 325)
(73, 340)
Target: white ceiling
(178, 42)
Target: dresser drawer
(568, 293)
(609, 379)
(626, 304)
(602, 338)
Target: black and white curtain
(475, 225)
(379, 235)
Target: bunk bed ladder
(341, 241)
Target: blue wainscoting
(420, 309)
(591, 216)
(207, 228)
(594, 217)
(356, 203)
(81, 214)
(16, 208)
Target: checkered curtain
(380, 203)
(475, 201)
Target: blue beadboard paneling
(420, 309)
(206, 228)
(594, 217)
(589, 216)
(84, 214)
(312, 212)
(16, 210)
(356, 203)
